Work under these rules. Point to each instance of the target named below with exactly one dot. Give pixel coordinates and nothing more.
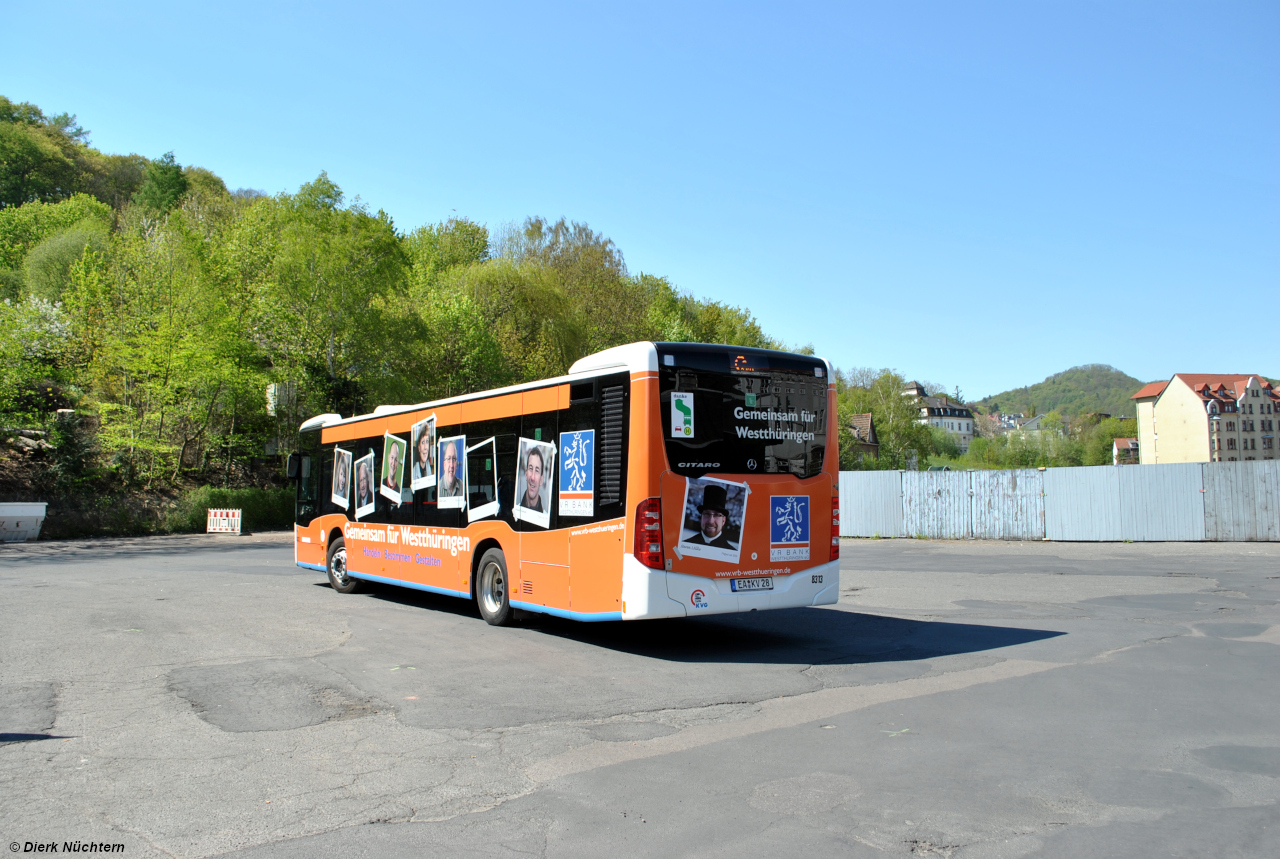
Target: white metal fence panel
(1008, 505)
(937, 505)
(871, 504)
(1083, 503)
(1161, 502)
(1242, 500)
(1183, 501)
(1228, 504)
(1266, 498)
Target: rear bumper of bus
(648, 593)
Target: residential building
(865, 443)
(1034, 426)
(1009, 421)
(1124, 451)
(944, 412)
(1200, 417)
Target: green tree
(38, 154)
(34, 339)
(904, 441)
(1098, 440)
(944, 443)
(436, 248)
(47, 268)
(531, 315)
(462, 353)
(205, 181)
(112, 179)
(164, 186)
(24, 227)
(322, 309)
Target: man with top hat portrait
(714, 516)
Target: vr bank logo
(789, 528)
(681, 415)
(577, 472)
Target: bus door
(544, 551)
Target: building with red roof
(1124, 451)
(1203, 417)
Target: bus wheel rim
(493, 588)
(340, 566)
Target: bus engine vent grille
(612, 428)
(526, 587)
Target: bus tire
(337, 569)
(493, 589)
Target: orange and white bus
(654, 480)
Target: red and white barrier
(223, 521)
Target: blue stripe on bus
(312, 566)
(401, 583)
(588, 616)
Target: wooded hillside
(159, 305)
(1081, 390)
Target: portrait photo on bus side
(366, 497)
(340, 494)
(451, 482)
(714, 511)
(534, 483)
(393, 457)
(423, 447)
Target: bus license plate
(761, 584)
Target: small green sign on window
(751, 399)
(537, 434)
(488, 464)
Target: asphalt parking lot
(201, 696)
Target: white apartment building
(944, 412)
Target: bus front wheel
(337, 568)
(492, 592)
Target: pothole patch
(270, 695)
(816, 793)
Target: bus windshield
(742, 411)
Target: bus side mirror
(291, 469)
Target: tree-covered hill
(1080, 390)
(161, 307)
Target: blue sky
(979, 194)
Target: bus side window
(308, 476)
(500, 458)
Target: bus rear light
(648, 544)
(835, 527)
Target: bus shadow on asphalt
(784, 636)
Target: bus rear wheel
(492, 591)
(337, 569)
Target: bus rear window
(742, 411)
